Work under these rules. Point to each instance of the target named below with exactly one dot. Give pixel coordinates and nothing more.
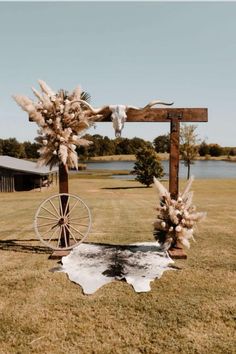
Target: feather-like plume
(176, 218)
(45, 88)
(62, 121)
(188, 186)
(63, 153)
(76, 94)
(188, 198)
(37, 94)
(162, 190)
(24, 102)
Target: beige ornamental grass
(176, 219)
(62, 118)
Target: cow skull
(118, 117)
(119, 112)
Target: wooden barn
(21, 175)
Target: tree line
(162, 144)
(102, 146)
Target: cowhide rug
(94, 265)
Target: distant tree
(11, 147)
(232, 152)
(215, 150)
(203, 149)
(147, 166)
(162, 143)
(1, 146)
(107, 147)
(138, 143)
(31, 150)
(123, 146)
(188, 145)
(103, 146)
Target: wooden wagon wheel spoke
(80, 218)
(76, 223)
(80, 233)
(46, 232)
(69, 230)
(57, 221)
(60, 206)
(48, 223)
(59, 237)
(67, 205)
(73, 208)
(54, 208)
(46, 217)
(49, 211)
(54, 232)
(65, 235)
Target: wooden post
(174, 155)
(64, 188)
(63, 179)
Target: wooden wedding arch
(173, 116)
(63, 112)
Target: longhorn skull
(118, 113)
(118, 117)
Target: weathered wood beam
(174, 158)
(63, 179)
(163, 115)
(63, 188)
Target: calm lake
(200, 169)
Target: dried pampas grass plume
(176, 219)
(61, 121)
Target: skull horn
(93, 110)
(153, 103)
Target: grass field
(191, 310)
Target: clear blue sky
(123, 52)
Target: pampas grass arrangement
(62, 119)
(176, 219)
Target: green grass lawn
(191, 310)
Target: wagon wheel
(62, 221)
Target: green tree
(188, 145)
(162, 143)
(11, 147)
(138, 143)
(123, 146)
(31, 150)
(107, 146)
(215, 150)
(147, 166)
(203, 149)
(1, 146)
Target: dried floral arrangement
(176, 219)
(63, 119)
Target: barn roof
(13, 163)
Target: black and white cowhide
(94, 265)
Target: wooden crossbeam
(162, 115)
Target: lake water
(200, 169)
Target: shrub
(147, 166)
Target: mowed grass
(190, 310)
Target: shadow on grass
(20, 246)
